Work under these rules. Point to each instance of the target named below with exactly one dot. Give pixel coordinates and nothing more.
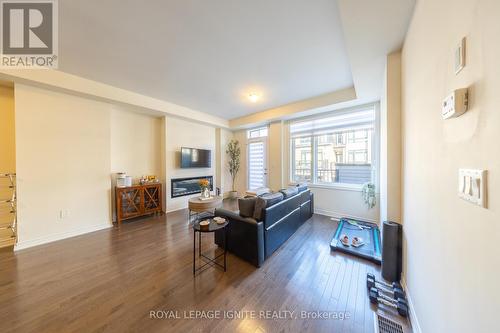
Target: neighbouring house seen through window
(335, 149)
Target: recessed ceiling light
(253, 97)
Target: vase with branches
(233, 152)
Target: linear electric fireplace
(187, 186)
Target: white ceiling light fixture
(253, 97)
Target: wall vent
(386, 325)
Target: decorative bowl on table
(219, 220)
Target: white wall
(222, 175)
(68, 149)
(135, 146)
(181, 133)
(275, 156)
(339, 203)
(135, 143)
(451, 246)
(241, 178)
(390, 141)
(63, 164)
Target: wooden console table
(138, 200)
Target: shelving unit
(8, 210)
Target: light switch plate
(460, 56)
(472, 186)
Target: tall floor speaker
(392, 251)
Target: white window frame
(260, 128)
(341, 186)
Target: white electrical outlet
(63, 213)
(472, 186)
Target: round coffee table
(196, 206)
(212, 227)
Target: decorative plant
(369, 195)
(233, 151)
(204, 186)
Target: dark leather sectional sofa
(255, 238)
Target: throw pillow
(247, 206)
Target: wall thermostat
(456, 103)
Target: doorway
(257, 158)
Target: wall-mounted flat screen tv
(195, 158)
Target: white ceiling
(372, 30)
(208, 55)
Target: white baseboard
(415, 325)
(338, 215)
(175, 209)
(60, 235)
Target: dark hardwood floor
(111, 280)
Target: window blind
(256, 162)
(335, 123)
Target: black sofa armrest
(245, 236)
(231, 215)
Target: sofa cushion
(258, 192)
(289, 192)
(272, 198)
(264, 201)
(247, 206)
(302, 187)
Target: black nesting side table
(212, 227)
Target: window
(340, 139)
(302, 150)
(336, 149)
(325, 139)
(358, 156)
(257, 133)
(339, 157)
